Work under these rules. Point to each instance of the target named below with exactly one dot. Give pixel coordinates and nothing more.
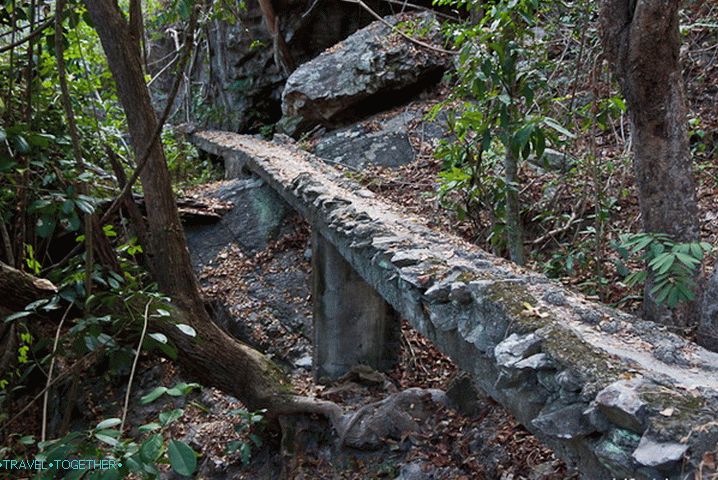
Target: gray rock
(379, 140)
(657, 454)
(438, 293)
(406, 258)
(465, 397)
(460, 293)
(539, 361)
(392, 418)
(242, 82)
(622, 405)
(566, 423)
(369, 64)
(256, 218)
(615, 450)
(304, 362)
(555, 297)
(412, 471)
(358, 146)
(515, 348)
(553, 160)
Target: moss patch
(598, 368)
(681, 410)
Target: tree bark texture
(20, 289)
(641, 41)
(514, 228)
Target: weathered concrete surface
(350, 76)
(353, 325)
(614, 395)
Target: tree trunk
(642, 44)
(20, 289)
(708, 328)
(514, 229)
(212, 356)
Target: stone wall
(615, 396)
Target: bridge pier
(352, 324)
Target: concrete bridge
(615, 396)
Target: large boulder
(384, 139)
(371, 70)
(241, 84)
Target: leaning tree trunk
(212, 356)
(642, 44)
(20, 289)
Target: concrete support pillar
(352, 323)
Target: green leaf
(551, 123)
(17, 315)
(687, 260)
(187, 330)
(151, 449)
(686, 293)
(21, 145)
(109, 423)
(160, 337)
(45, 226)
(181, 388)
(84, 206)
(113, 442)
(149, 427)
(182, 458)
(168, 417)
(663, 259)
(696, 250)
(153, 395)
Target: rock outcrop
(237, 85)
(613, 395)
(373, 69)
(383, 140)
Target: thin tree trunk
(75, 137)
(212, 356)
(708, 328)
(642, 44)
(514, 229)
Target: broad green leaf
(181, 388)
(153, 395)
(109, 423)
(113, 442)
(149, 427)
(160, 337)
(151, 449)
(687, 260)
(170, 416)
(187, 330)
(550, 122)
(182, 458)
